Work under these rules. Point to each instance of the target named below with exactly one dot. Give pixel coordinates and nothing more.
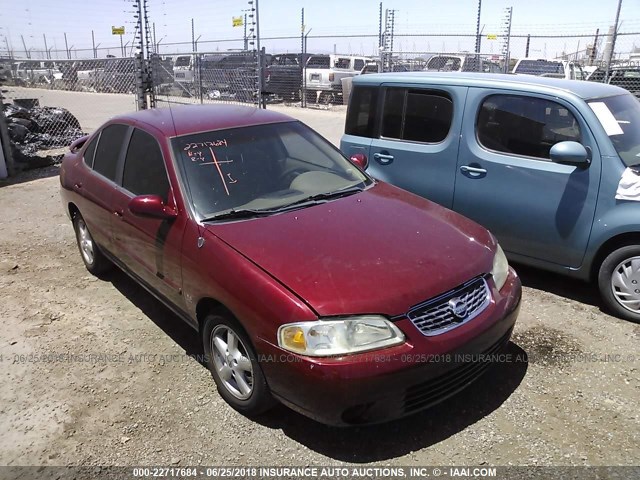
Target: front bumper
(377, 386)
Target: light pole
(613, 42)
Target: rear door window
(108, 151)
(361, 115)
(416, 115)
(144, 169)
(523, 125)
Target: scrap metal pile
(35, 132)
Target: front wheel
(234, 365)
(619, 282)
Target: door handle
(383, 158)
(474, 172)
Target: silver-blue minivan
(550, 166)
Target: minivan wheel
(234, 366)
(93, 258)
(619, 282)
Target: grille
(433, 391)
(451, 309)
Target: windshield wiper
(311, 200)
(240, 213)
(322, 197)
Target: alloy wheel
(232, 362)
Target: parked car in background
(627, 77)
(283, 75)
(376, 67)
(549, 68)
(235, 218)
(231, 74)
(183, 69)
(325, 74)
(550, 166)
(36, 71)
(461, 63)
(117, 76)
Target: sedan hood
(379, 251)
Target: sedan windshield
(620, 117)
(263, 169)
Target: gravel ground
(129, 390)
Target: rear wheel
(619, 282)
(234, 365)
(93, 258)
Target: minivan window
(144, 169)
(622, 124)
(361, 115)
(416, 115)
(108, 151)
(358, 63)
(523, 125)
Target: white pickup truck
(324, 74)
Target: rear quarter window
(362, 112)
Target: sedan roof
(185, 119)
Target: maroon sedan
(347, 299)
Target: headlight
(339, 336)
(500, 268)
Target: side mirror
(151, 206)
(570, 153)
(359, 160)
(78, 143)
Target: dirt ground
(97, 372)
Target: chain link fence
(53, 96)
(206, 77)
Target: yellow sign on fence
(237, 21)
(117, 30)
(492, 36)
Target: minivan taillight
(359, 160)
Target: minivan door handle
(383, 158)
(473, 172)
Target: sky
(327, 22)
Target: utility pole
(155, 48)
(594, 50)
(93, 43)
(478, 29)
(380, 27)
(508, 15)
(246, 41)
(26, 52)
(193, 36)
(387, 52)
(46, 49)
(526, 51)
(66, 46)
(260, 54)
(613, 42)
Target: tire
(228, 349)
(91, 255)
(619, 282)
